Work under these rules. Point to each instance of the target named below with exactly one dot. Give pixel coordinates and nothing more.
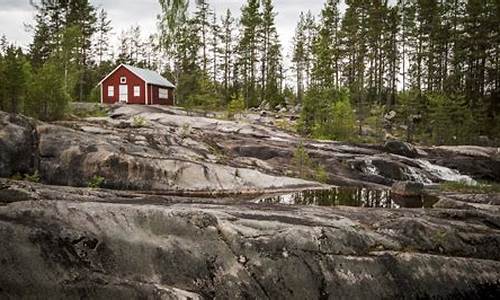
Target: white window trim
(163, 92)
(111, 91)
(137, 91)
(123, 80)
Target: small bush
(185, 130)
(286, 125)
(235, 107)
(302, 161)
(35, 177)
(96, 182)
(306, 167)
(320, 174)
(139, 121)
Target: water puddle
(356, 197)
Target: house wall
(132, 80)
(155, 92)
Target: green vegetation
(96, 182)
(462, 187)
(95, 110)
(306, 167)
(327, 114)
(35, 177)
(235, 107)
(139, 121)
(433, 66)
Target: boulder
(401, 148)
(17, 143)
(390, 169)
(407, 188)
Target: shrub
(320, 174)
(302, 161)
(185, 130)
(306, 167)
(235, 107)
(35, 177)
(139, 121)
(96, 182)
(328, 114)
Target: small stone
(285, 253)
(242, 259)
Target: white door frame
(121, 95)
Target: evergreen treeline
(424, 70)
(432, 66)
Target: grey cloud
(125, 13)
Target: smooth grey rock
(401, 148)
(17, 145)
(78, 243)
(407, 188)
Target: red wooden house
(131, 85)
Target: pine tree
(299, 56)
(226, 53)
(202, 21)
(248, 50)
(270, 53)
(102, 43)
(326, 51)
(215, 37)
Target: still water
(357, 197)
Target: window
(163, 94)
(111, 91)
(123, 80)
(137, 91)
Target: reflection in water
(357, 197)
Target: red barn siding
(132, 80)
(155, 96)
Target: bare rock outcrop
(73, 243)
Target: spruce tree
(15, 79)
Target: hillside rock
(17, 145)
(171, 149)
(73, 243)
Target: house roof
(150, 77)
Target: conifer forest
(426, 71)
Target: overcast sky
(14, 14)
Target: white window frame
(163, 93)
(123, 80)
(137, 91)
(111, 91)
